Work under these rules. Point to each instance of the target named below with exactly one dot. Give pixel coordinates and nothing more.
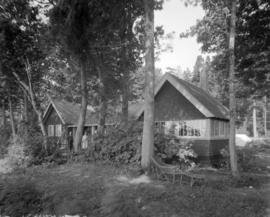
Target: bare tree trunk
(81, 121)
(148, 124)
(103, 104)
(40, 119)
(265, 116)
(11, 117)
(125, 87)
(102, 115)
(255, 133)
(125, 99)
(3, 114)
(25, 108)
(232, 148)
(31, 96)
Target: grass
(92, 190)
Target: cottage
(190, 113)
(61, 118)
(181, 109)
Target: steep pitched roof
(69, 113)
(202, 100)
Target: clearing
(98, 189)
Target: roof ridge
(199, 90)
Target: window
(194, 128)
(160, 126)
(219, 128)
(190, 128)
(58, 130)
(50, 130)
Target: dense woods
(59, 48)
(90, 65)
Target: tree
(233, 157)
(71, 22)
(198, 67)
(21, 56)
(148, 124)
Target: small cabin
(181, 109)
(191, 113)
(61, 117)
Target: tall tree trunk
(265, 116)
(148, 124)
(3, 114)
(103, 104)
(125, 99)
(31, 96)
(254, 117)
(40, 117)
(125, 86)
(25, 108)
(102, 115)
(11, 117)
(233, 156)
(81, 121)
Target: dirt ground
(102, 190)
(98, 189)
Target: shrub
(174, 150)
(20, 197)
(16, 155)
(4, 141)
(121, 146)
(34, 148)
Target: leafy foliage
(173, 150)
(32, 140)
(17, 155)
(121, 146)
(4, 135)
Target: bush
(20, 197)
(33, 140)
(40, 156)
(121, 146)
(175, 151)
(4, 141)
(16, 155)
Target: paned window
(193, 128)
(219, 128)
(50, 130)
(160, 126)
(58, 130)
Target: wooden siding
(52, 118)
(171, 105)
(208, 148)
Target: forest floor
(96, 189)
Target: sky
(176, 17)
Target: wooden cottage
(181, 109)
(61, 118)
(190, 113)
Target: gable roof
(202, 100)
(69, 113)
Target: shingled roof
(69, 113)
(202, 100)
